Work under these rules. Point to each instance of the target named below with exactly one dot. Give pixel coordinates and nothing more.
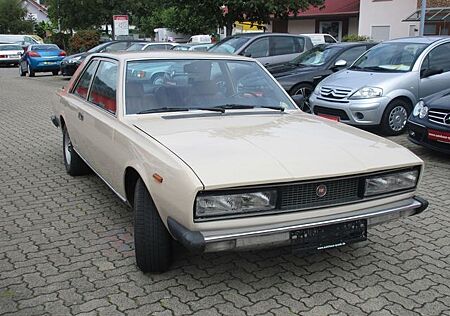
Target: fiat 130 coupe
(210, 151)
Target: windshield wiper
(164, 109)
(244, 107)
(213, 109)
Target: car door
(438, 59)
(283, 49)
(74, 103)
(99, 117)
(258, 49)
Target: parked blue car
(41, 58)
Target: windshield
(135, 47)
(10, 47)
(317, 56)
(229, 45)
(98, 48)
(45, 47)
(181, 85)
(390, 57)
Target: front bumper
(366, 112)
(418, 134)
(68, 69)
(213, 241)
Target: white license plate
(49, 62)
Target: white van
(200, 39)
(317, 39)
(24, 40)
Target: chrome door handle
(80, 116)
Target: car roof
(126, 55)
(256, 34)
(419, 39)
(349, 44)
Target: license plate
(330, 117)
(330, 236)
(439, 136)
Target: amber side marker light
(158, 178)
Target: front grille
(330, 111)
(334, 93)
(439, 116)
(304, 196)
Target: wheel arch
(131, 176)
(298, 84)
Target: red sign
(330, 117)
(120, 17)
(439, 136)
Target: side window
(329, 39)
(156, 47)
(282, 45)
(351, 54)
(438, 58)
(300, 44)
(260, 48)
(104, 86)
(82, 87)
(116, 47)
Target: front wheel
(152, 241)
(75, 166)
(21, 72)
(305, 90)
(394, 117)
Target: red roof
(332, 7)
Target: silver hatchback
(383, 85)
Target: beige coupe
(209, 150)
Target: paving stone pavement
(66, 244)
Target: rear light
(3, 56)
(62, 53)
(33, 54)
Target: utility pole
(422, 17)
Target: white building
(35, 10)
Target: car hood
(357, 79)
(288, 69)
(256, 147)
(439, 100)
(83, 55)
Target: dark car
(429, 123)
(267, 48)
(70, 64)
(301, 75)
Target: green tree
(13, 18)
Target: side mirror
(299, 100)
(340, 64)
(425, 73)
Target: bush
(355, 38)
(60, 39)
(84, 40)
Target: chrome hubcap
(67, 148)
(397, 118)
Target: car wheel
(31, 72)
(152, 241)
(55, 72)
(305, 90)
(75, 166)
(21, 72)
(394, 117)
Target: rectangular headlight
(391, 182)
(232, 204)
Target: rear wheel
(31, 72)
(395, 116)
(55, 72)
(21, 72)
(152, 241)
(75, 166)
(304, 89)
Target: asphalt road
(66, 244)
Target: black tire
(152, 241)
(31, 72)
(304, 89)
(55, 72)
(75, 166)
(21, 72)
(394, 117)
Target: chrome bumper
(279, 236)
